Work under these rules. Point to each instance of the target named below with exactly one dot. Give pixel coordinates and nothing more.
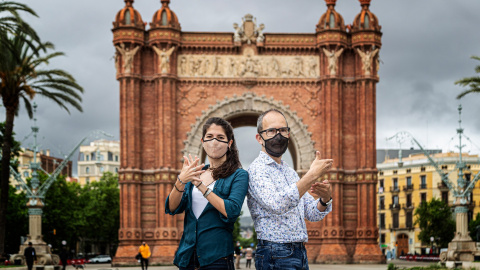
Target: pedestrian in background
(144, 250)
(30, 255)
(238, 254)
(248, 256)
(64, 256)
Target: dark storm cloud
(426, 47)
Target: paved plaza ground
(312, 266)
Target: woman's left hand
(322, 189)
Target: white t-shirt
(198, 201)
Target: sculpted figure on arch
(332, 57)
(367, 58)
(127, 56)
(278, 199)
(164, 58)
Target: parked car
(100, 259)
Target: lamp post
(35, 198)
(462, 248)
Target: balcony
(394, 189)
(423, 186)
(442, 186)
(381, 207)
(394, 206)
(408, 207)
(408, 188)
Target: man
(30, 255)
(278, 200)
(144, 250)
(64, 256)
(238, 255)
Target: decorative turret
(331, 19)
(366, 20)
(128, 17)
(165, 17)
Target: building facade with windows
(402, 189)
(47, 162)
(98, 157)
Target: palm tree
(12, 22)
(23, 75)
(472, 82)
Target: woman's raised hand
(190, 170)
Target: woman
(211, 197)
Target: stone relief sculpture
(367, 58)
(127, 55)
(248, 31)
(332, 57)
(247, 65)
(312, 67)
(117, 61)
(260, 36)
(164, 58)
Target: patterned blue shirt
(277, 210)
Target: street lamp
(462, 248)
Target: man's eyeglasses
(271, 132)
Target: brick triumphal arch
(171, 81)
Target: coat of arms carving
(248, 31)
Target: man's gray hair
(260, 118)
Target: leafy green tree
(61, 218)
(17, 220)
(472, 227)
(435, 219)
(11, 22)
(23, 75)
(101, 212)
(472, 82)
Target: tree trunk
(5, 174)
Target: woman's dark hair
(232, 163)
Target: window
(382, 238)
(445, 196)
(87, 157)
(423, 181)
(381, 202)
(87, 170)
(380, 184)
(128, 19)
(382, 221)
(92, 156)
(395, 183)
(367, 22)
(409, 181)
(395, 220)
(81, 157)
(110, 156)
(116, 158)
(18, 187)
(164, 18)
(332, 21)
(395, 200)
(116, 169)
(423, 197)
(25, 174)
(408, 220)
(409, 200)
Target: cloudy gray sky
(427, 45)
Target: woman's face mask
(215, 148)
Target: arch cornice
(247, 104)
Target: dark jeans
(249, 263)
(225, 263)
(144, 263)
(280, 256)
(64, 264)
